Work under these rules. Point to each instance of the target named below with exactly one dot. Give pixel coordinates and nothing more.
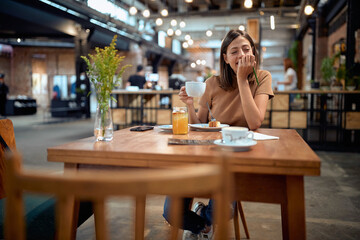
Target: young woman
(235, 98)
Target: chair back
(97, 186)
(7, 139)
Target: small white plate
(236, 147)
(165, 127)
(205, 127)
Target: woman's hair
(288, 64)
(227, 75)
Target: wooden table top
(289, 155)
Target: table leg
(70, 167)
(293, 209)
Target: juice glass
(180, 120)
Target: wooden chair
(39, 210)
(97, 186)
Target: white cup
(195, 89)
(231, 135)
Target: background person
(290, 78)
(138, 79)
(4, 90)
(236, 99)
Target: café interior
(298, 178)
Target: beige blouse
(226, 105)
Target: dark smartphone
(141, 128)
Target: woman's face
(236, 50)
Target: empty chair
(97, 186)
(39, 211)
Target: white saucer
(236, 147)
(205, 127)
(165, 127)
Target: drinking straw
(256, 76)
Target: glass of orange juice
(180, 120)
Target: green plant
(293, 53)
(327, 69)
(102, 67)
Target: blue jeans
(191, 221)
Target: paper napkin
(260, 136)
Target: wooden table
(271, 172)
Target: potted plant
(102, 69)
(327, 70)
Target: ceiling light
(308, 10)
(18, 40)
(193, 65)
(182, 24)
(164, 12)
(170, 32)
(187, 37)
(242, 28)
(209, 33)
(159, 21)
(190, 42)
(178, 32)
(198, 62)
(188, 1)
(248, 3)
(185, 45)
(203, 62)
(146, 13)
(133, 10)
(272, 22)
(173, 22)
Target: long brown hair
(288, 64)
(227, 75)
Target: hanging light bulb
(272, 22)
(242, 27)
(178, 32)
(198, 62)
(170, 32)
(159, 21)
(193, 65)
(248, 3)
(146, 13)
(133, 10)
(185, 45)
(187, 37)
(203, 62)
(190, 42)
(308, 10)
(182, 24)
(164, 12)
(173, 22)
(209, 33)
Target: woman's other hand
(184, 97)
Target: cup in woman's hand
(195, 89)
(232, 135)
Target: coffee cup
(232, 135)
(195, 89)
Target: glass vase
(103, 128)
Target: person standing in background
(4, 90)
(137, 79)
(290, 78)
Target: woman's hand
(245, 67)
(184, 97)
